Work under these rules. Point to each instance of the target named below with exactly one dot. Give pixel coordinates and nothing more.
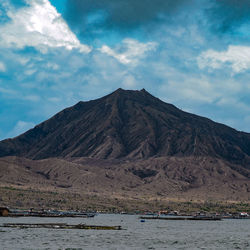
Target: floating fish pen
(50, 214)
(60, 226)
(207, 218)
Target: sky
(194, 54)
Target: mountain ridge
(129, 124)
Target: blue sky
(194, 54)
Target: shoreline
(19, 198)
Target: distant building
(4, 211)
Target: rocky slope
(196, 178)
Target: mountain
(130, 143)
(129, 124)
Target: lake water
(153, 234)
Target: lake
(152, 234)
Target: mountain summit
(129, 124)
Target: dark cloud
(119, 14)
(93, 18)
(228, 15)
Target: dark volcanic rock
(129, 124)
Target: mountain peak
(123, 91)
(139, 95)
(119, 90)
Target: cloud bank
(227, 16)
(38, 25)
(236, 57)
(119, 14)
(130, 51)
(93, 17)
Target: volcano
(143, 139)
(129, 124)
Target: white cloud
(22, 60)
(38, 25)
(189, 91)
(32, 98)
(238, 57)
(7, 91)
(30, 72)
(2, 67)
(52, 66)
(20, 127)
(129, 81)
(54, 99)
(233, 102)
(130, 51)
